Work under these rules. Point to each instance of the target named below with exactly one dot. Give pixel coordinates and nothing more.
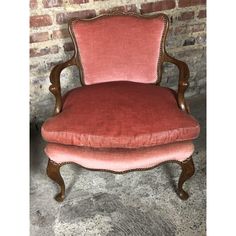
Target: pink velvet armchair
(121, 119)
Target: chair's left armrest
(183, 80)
(55, 87)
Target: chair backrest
(119, 47)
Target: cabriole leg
(187, 171)
(53, 172)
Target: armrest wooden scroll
(183, 80)
(55, 87)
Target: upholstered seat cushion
(120, 115)
(117, 159)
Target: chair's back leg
(53, 172)
(187, 171)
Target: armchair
(121, 119)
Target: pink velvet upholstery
(119, 159)
(120, 115)
(119, 48)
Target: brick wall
(50, 42)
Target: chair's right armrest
(183, 80)
(55, 87)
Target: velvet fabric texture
(119, 159)
(120, 115)
(118, 48)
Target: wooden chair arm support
(183, 80)
(55, 87)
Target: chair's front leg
(187, 171)
(53, 172)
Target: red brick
(128, 8)
(58, 34)
(189, 3)
(197, 27)
(36, 52)
(185, 29)
(181, 30)
(52, 3)
(68, 47)
(63, 18)
(40, 20)
(157, 6)
(38, 37)
(78, 1)
(186, 16)
(33, 4)
(202, 14)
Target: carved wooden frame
(53, 168)
(188, 169)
